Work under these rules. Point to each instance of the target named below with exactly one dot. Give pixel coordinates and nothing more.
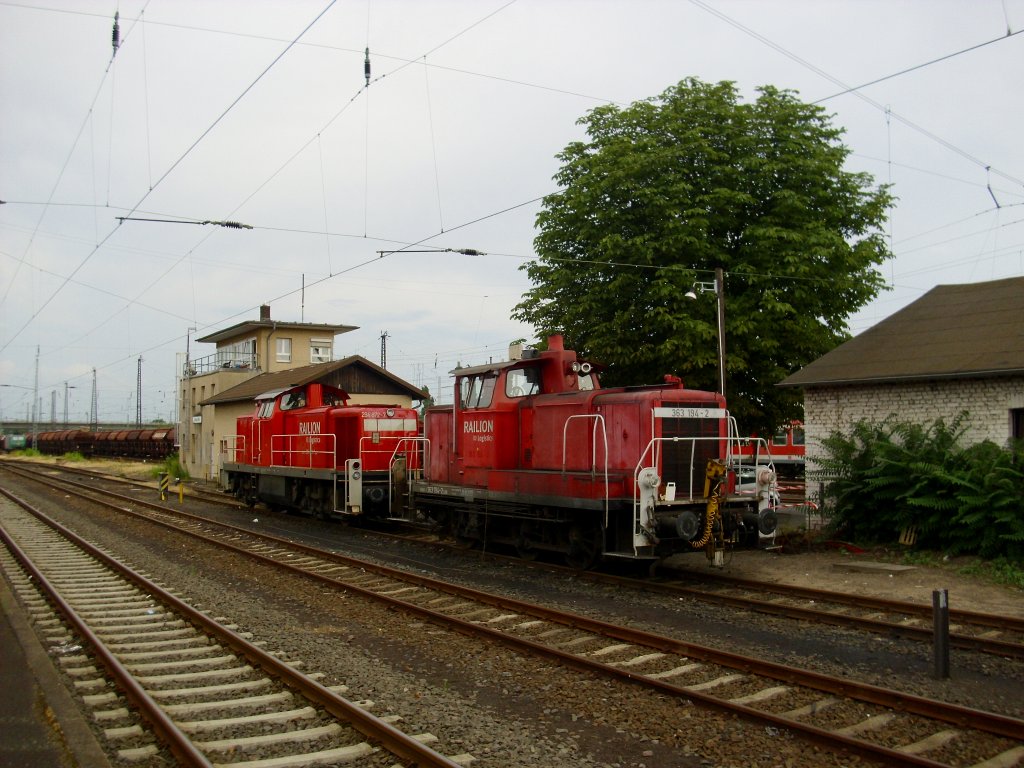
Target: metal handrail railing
(598, 420)
(232, 452)
(289, 451)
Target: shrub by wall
(884, 478)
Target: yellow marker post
(181, 490)
(164, 482)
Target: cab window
(521, 382)
(332, 398)
(266, 410)
(477, 391)
(293, 400)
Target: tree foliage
(666, 190)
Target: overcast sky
(258, 113)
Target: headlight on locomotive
(767, 520)
(687, 525)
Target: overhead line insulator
(115, 36)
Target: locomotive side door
(475, 438)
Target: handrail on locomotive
(282, 457)
(598, 420)
(648, 481)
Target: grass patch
(172, 467)
(998, 571)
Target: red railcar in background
(787, 449)
(149, 443)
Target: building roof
(953, 331)
(252, 387)
(252, 326)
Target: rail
(181, 745)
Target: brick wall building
(957, 348)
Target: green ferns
(886, 478)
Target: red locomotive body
(306, 448)
(535, 453)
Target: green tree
(666, 190)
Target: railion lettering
(478, 427)
(309, 427)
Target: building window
(1017, 424)
(284, 350)
(319, 350)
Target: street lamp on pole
(66, 388)
(718, 288)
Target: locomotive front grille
(684, 461)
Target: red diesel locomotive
(533, 453)
(305, 448)
(536, 454)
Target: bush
(172, 467)
(886, 477)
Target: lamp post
(66, 388)
(718, 287)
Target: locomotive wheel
(584, 546)
(525, 547)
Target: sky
(259, 112)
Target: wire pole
(138, 395)
(720, 295)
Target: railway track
(887, 725)
(185, 681)
(969, 630)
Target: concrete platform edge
(75, 733)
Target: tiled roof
(294, 377)
(953, 331)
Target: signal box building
(255, 357)
(959, 348)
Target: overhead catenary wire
(326, 228)
(281, 168)
(170, 170)
(849, 89)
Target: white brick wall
(987, 401)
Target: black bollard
(940, 640)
